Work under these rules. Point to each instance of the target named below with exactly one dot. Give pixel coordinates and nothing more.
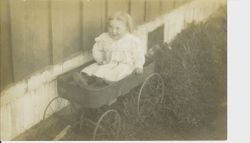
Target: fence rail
(23, 103)
(38, 33)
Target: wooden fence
(36, 34)
(23, 103)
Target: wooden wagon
(82, 98)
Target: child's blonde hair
(124, 17)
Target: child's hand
(99, 63)
(138, 70)
(102, 63)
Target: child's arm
(139, 57)
(98, 52)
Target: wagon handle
(62, 133)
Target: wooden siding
(152, 9)
(66, 29)
(117, 5)
(167, 5)
(29, 36)
(6, 72)
(36, 34)
(19, 102)
(93, 20)
(137, 11)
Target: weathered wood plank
(179, 3)
(6, 70)
(117, 5)
(66, 29)
(167, 6)
(17, 110)
(5, 124)
(30, 36)
(153, 9)
(93, 19)
(137, 11)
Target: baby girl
(117, 53)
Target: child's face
(117, 29)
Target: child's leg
(99, 81)
(80, 79)
(90, 79)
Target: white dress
(120, 57)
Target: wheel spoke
(107, 125)
(55, 105)
(150, 94)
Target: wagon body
(97, 97)
(109, 123)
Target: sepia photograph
(113, 70)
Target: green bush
(193, 66)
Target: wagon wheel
(151, 94)
(55, 105)
(40, 132)
(108, 126)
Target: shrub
(194, 69)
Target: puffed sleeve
(97, 51)
(138, 53)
